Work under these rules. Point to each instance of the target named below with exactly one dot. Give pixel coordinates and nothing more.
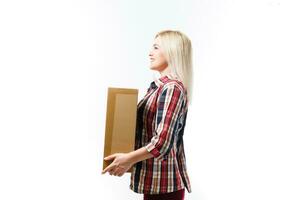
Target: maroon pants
(177, 195)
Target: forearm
(139, 155)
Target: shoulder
(172, 88)
(173, 84)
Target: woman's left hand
(121, 164)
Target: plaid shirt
(161, 117)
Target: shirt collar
(161, 80)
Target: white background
(58, 57)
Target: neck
(166, 71)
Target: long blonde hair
(177, 48)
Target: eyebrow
(155, 44)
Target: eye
(155, 48)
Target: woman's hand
(121, 163)
(124, 161)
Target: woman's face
(157, 59)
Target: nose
(151, 52)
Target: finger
(110, 157)
(120, 174)
(113, 171)
(120, 171)
(117, 172)
(108, 168)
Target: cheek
(162, 58)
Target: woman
(159, 167)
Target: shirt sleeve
(168, 111)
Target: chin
(155, 67)
(152, 67)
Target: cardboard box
(120, 127)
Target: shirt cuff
(153, 150)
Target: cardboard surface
(120, 126)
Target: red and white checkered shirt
(161, 117)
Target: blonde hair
(177, 49)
